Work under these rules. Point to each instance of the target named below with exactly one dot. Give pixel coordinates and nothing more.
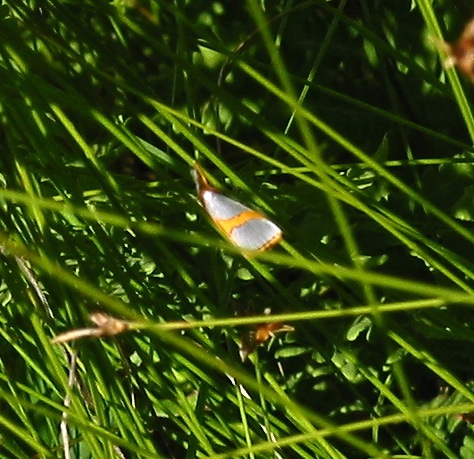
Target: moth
(245, 227)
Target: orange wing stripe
(273, 241)
(228, 225)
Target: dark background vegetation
(105, 106)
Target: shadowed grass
(334, 119)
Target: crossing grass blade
(339, 122)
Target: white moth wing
(255, 234)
